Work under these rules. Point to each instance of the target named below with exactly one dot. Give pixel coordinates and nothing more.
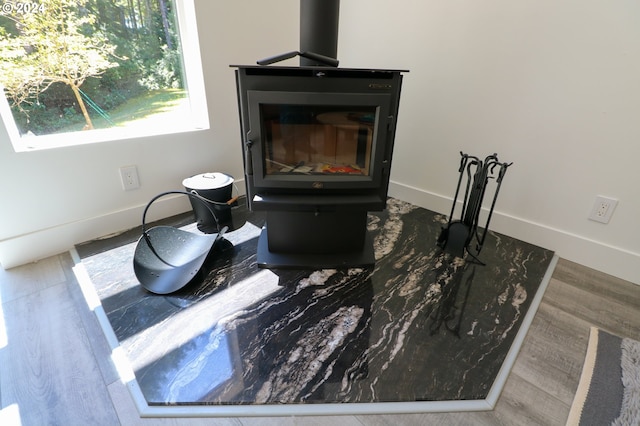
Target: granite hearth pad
(420, 331)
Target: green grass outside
(142, 107)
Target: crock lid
(208, 181)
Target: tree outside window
(71, 65)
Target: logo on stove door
(379, 86)
(317, 185)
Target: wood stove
(318, 144)
(317, 147)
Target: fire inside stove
(317, 140)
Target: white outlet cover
(597, 213)
(129, 178)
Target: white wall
(553, 86)
(52, 199)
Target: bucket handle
(219, 203)
(196, 196)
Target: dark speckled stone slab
(419, 326)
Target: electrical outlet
(603, 209)
(129, 178)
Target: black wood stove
(317, 146)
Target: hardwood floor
(55, 365)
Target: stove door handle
(248, 158)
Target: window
(78, 71)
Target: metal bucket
(216, 188)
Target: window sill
(140, 130)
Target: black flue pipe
(319, 29)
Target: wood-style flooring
(55, 365)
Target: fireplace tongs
(332, 62)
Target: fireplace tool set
(459, 235)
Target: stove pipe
(319, 29)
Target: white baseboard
(47, 242)
(42, 243)
(611, 260)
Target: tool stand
(463, 234)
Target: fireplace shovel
(167, 258)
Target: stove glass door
(318, 139)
